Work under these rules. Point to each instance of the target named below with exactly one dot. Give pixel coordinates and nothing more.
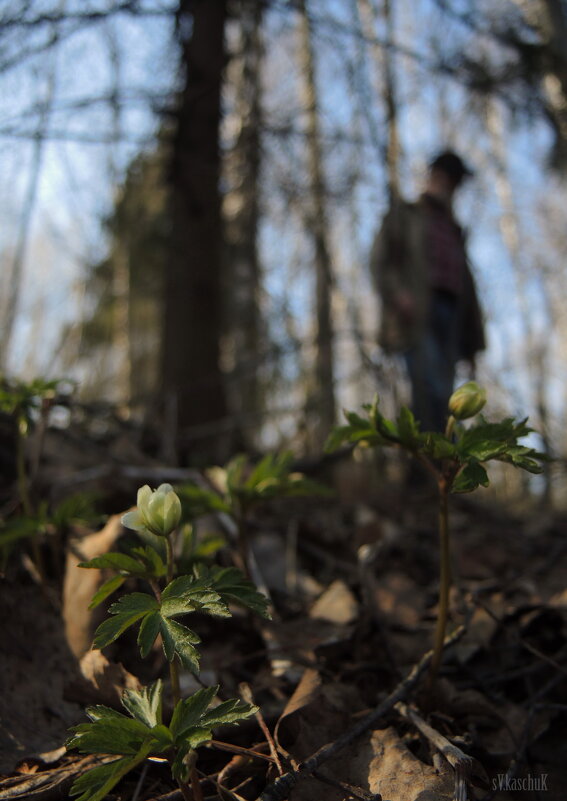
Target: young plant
(240, 486)
(455, 458)
(24, 402)
(143, 734)
(51, 523)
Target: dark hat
(452, 165)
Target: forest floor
(354, 588)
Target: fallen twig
(281, 787)
(246, 693)
(462, 763)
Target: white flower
(159, 511)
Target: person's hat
(452, 165)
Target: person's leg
(431, 364)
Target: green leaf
(149, 629)
(106, 589)
(272, 466)
(125, 612)
(179, 640)
(208, 546)
(197, 501)
(145, 704)
(152, 560)
(235, 471)
(408, 430)
(338, 436)
(100, 712)
(19, 528)
(233, 586)
(230, 711)
(471, 476)
(115, 561)
(162, 737)
(437, 446)
(188, 712)
(189, 594)
(98, 782)
(185, 759)
(109, 734)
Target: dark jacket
(399, 263)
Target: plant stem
(196, 786)
(170, 560)
(444, 579)
(173, 667)
(243, 544)
(23, 492)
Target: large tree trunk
(192, 379)
(384, 82)
(322, 401)
(242, 355)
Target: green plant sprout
(456, 459)
(240, 486)
(51, 523)
(143, 734)
(22, 401)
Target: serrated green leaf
(151, 559)
(145, 704)
(234, 587)
(163, 739)
(189, 594)
(184, 761)
(437, 446)
(230, 711)
(408, 430)
(197, 501)
(471, 476)
(189, 711)
(116, 561)
(179, 640)
(273, 467)
(149, 629)
(197, 736)
(115, 734)
(106, 589)
(100, 712)
(98, 782)
(338, 436)
(125, 612)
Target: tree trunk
(193, 383)
(384, 76)
(242, 354)
(321, 405)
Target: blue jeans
(431, 363)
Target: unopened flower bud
(467, 400)
(159, 511)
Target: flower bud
(467, 400)
(159, 511)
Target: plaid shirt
(445, 248)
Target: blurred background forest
(190, 191)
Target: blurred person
(430, 309)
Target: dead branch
(280, 789)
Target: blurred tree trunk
(384, 81)
(121, 322)
(193, 384)
(242, 354)
(534, 350)
(321, 405)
